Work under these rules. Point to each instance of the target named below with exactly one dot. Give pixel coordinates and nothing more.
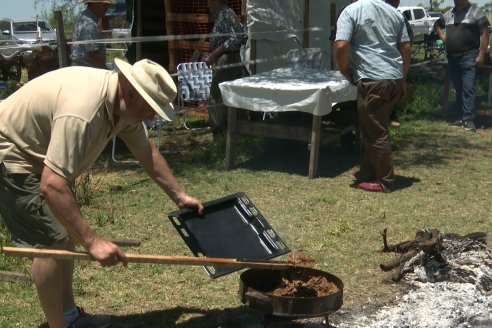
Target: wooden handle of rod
(147, 258)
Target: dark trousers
(376, 99)
(218, 111)
(463, 74)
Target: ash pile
(451, 283)
(433, 256)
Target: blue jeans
(463, 74)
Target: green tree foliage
(434, 5)
(68, 8)
(488, 7)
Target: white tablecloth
(289, 89)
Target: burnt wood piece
(431, 242)
(427, 241)
(397, 262)
(422, 237)
(11, 276)
(399, 273)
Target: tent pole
(253, 57)
(305, 39)
(138, 47)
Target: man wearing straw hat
(86, 27)
(54, 128)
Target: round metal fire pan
(254, 283)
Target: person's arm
(215, 54)
(405, 49)
(96, 59)
(157, 168)
(58, 194)
(341, 50)
(406, 53)
(484, 43)
(439, 31)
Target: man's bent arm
(406, 53)
(341, 49)
(157, 168)
(58, 194)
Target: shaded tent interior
(166, 18)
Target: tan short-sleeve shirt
(64, 120)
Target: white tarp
(289, 89)
(278, 26)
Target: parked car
(420, 21)
(435, 14)
(438, 15)
(27, 31)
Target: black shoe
(469, 126)
(457, 124)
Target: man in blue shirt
(372, 50)
(86, 27)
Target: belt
(461, 54)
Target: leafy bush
(426, 85)
(9, 89)
(425, 104)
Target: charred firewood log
(428, 243)
(427, 239)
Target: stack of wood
(436, 256)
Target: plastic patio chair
(156, 124)
(194, 82)
(305, 58)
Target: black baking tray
(230, 227)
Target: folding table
(284, 90)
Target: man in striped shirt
(467, 39)
(372, 50)
(224, 55)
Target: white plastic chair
(305, 58)
(194, 82)
(113, 155)
(156, 124)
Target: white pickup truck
(420, 21)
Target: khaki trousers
(26, 213)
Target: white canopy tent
(276, 26)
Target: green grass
(443, 182)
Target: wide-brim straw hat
(111, 2)
(153, 83)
